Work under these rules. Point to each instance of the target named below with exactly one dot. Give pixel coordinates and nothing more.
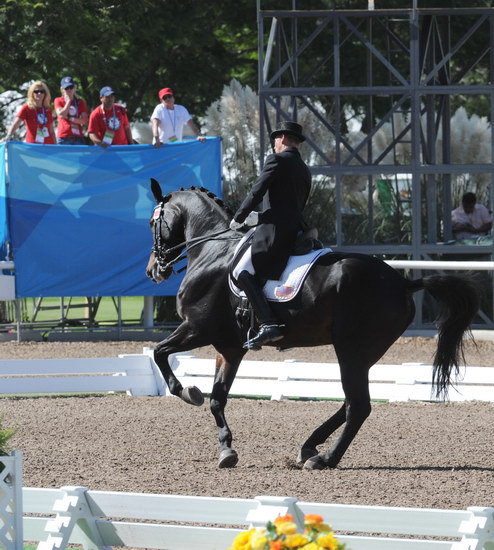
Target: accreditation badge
(108, 137)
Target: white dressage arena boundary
(81, 516)
(139, 375)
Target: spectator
(72, 114)
(37, 116)
(470, 220)
(168, 120)
(108, 123)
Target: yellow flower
(242, 540)
(258, 539)
(295, 540)
(286, 528)
(328, 541)
(311, 546)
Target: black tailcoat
(284, 187)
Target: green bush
(5, 435)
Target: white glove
(252, 219)
(235, 226)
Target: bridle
(161, 253)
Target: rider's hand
(235, 226)
(252, 219)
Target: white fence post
(73, 512)
(11, 535)
(269, 508)
(478, 531)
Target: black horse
(356, 302)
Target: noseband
(161, 253)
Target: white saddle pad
(291, 279)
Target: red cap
(165, 91)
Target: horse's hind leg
(320, 434)
(227, 362)
(356, 409)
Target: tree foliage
(135, 47)
(140, 47)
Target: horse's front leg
(184, 338)
(227, 362)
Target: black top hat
(289, 128)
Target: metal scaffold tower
(397, 108)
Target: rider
(283, 186)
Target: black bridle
(162, 254)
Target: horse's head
(168, 236)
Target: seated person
(470, 220)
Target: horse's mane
(210, 194)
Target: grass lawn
(76, 308)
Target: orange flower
(315, 522)
(311, 519)
(276, 544)
(283, 519)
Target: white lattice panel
(11, 537)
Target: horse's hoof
(305, 454)
(228, 459)
(315, 463)
(192, 395)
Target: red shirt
(38, 117)
(66, 128)
(112, 120)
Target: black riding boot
(269, 329)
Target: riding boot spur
(269, 329)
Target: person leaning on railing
(37, 115)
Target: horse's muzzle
(157, 275)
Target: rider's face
(278, 145)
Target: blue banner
(79, 215)
(4, 235)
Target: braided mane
(210, 194)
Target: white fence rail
(291, 379)
(85, 517)
(134, 374)
(139, 375)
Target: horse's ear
(156, 190)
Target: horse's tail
(459, 301)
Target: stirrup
(267, 334)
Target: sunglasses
(39, 92)
(167, 96)
(69, 87)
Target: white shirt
(171, 121)
(477, 218)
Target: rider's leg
(269, 329)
